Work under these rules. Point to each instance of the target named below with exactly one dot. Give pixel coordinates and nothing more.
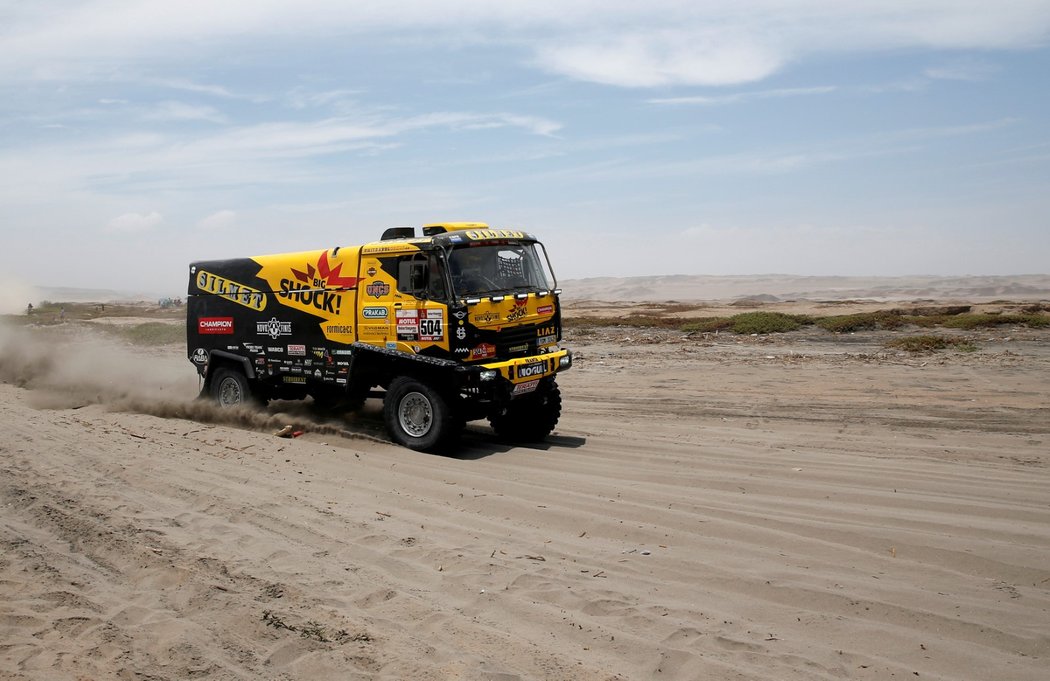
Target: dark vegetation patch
(758, 322)
(930, 343)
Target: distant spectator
(29, 309)
(62, 314)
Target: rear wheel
(530, 418)
(230, 388)
(418, 416)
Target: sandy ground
(807, 506)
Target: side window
(422, 276)
(412, 275)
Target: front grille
(518, 341)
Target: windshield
(499, 268)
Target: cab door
(421, 318)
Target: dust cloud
(71, 366)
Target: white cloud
(736, 97)
(134, 223)
(180, 111)
(617, 42)
(223, 219)
(960, 69)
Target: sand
(806, 506)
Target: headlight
(488, 375)
(565, 361)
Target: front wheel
(418, 416)
(229, 388)
(530, 418)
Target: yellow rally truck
(460, 323)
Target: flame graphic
(324, 271)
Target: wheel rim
(415, 414)
(230, 392)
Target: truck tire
(229, 388)
(418, 416)
(530, 418)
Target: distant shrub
(861, 322)
(765, 322)
(930, 343)
(987, 319)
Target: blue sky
(809, 137)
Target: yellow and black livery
(458, 322)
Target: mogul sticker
(230, 290)
(215, 325)
(532, 369)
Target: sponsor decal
(494, 234)
(273, 328)
(294, 379)
(519, 310)
(459, 314)
(274, 348)
(483, 351)
(233, 348)
(231, 290)
(545, 309)
(297, 370)
(407, 324)
(533, 369)
(391, 345)
(374, 312)
(342, 352)
(342, 364)
(371, 271)
(526, 387)
(461, 333)
(320, 299)
(254, 349)
(308, 362)
(462, 351)
(200, 356)
(338, 330)
(215, 325)
(340, 380)
(378, 289)
(317, 373)
(324, 276)
(486, 317)
(544, 341)
(282, 368)
(431, 327)
(297, 350)
(518, 348)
